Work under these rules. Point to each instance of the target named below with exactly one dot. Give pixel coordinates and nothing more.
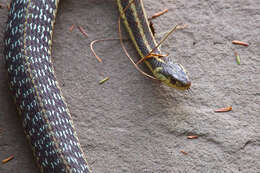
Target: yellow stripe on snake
(44, 113)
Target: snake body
(45, 116)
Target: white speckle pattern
(45, 116)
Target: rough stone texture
(133, 124)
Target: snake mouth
(182, 86)
(169, 77)
(175, 83)
(176, 76)
(179, 83)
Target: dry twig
(7, 159)
(82, 30)
(158, 14)
(72, 27)
(227, 109)
(95, 41)
(184, 152)
(192, 137)
(240, 43)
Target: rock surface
(133, 124)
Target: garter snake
(136, 23)
(44, 113)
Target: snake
(137, 25)
(44, 113)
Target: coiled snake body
(45, 116)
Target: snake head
(173, 75)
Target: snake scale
(44, 113)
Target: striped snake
(44, 113)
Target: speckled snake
(45, 116)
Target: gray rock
(133, 124)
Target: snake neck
(135, 20)
(137, 25)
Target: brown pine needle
(184, 152)
(72, 27)
(192, 137)
(123, 46)
(82, 30)
(158, 14)
(227, 109)
(240, 43)
(7, 159)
